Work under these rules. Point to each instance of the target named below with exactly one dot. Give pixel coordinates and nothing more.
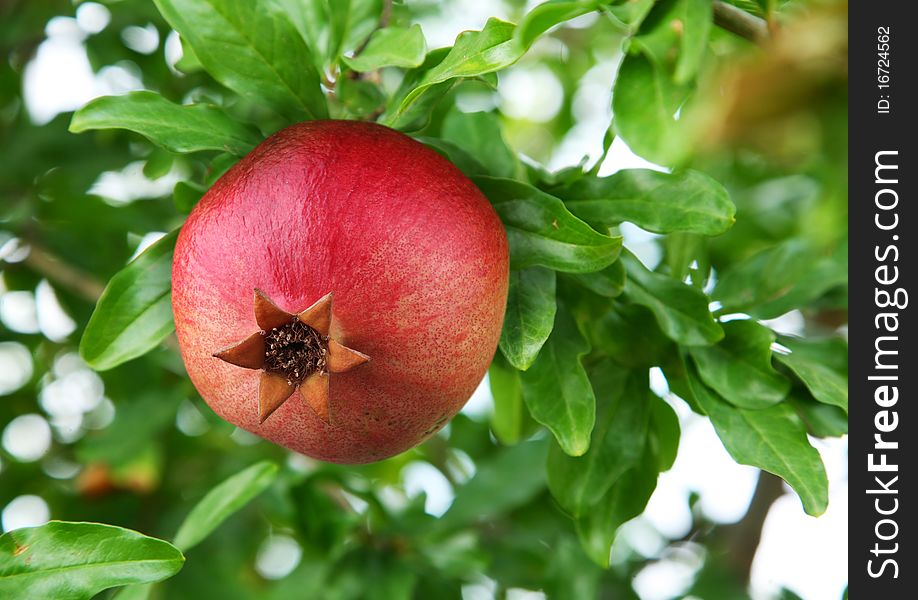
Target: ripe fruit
(340, 291)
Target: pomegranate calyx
(294, 352)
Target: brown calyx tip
(294, 351)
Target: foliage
(747, 212)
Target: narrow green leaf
(681, 310)
(507, 391)
(175, 127)
(811, 362)
(222, 501)
(625, 500)
(618, 440)
(557, 390)
(772, 439)
(504, 482)
(134, 313)
(158, 164)
(609, 282)
(479, 135)
(391, 47)
(253, 49)
(739, 367)
(548, 14)
(417, 115)
(660, 202)
(542, 232)
(822, 420)
(697, 19)
(530, 315)
(76, 561)
(474, 53)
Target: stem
(740, 22)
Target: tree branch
(742, 538)
(67, 276)
(740, 22)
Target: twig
(79, 282)
(740, 22)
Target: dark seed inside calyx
(295, 351)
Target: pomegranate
(340, 291)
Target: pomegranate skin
(415, 255)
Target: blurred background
(137, 447)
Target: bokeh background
(136, 446)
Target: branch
(67, 276)
(740, 22)
(742, 538)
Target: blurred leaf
(530, 315)
(665, 432)
(697, 19)
(466, 163)
(230, 38)
(739, 366)
(185, 195)
(176, 128)
(134, 313)
(625, 500)
(618, 440)
(659, 202)
(158, 164)
(508, 480)
(479, 135)
(557, 390)
(222, 501)
(136, 425)
(645, 101)
(680, 309)
(506, 388)
(811, 361)
(782, 278)
(360, 98)
(75, 561)
(391, 47)
(772, 439)
(609, 282)
(332, 27)
(542, 232)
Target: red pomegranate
(340, 291)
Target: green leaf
(823, 420)
(628, 333)
(474, 53)
(618, 440)
(548, 14)
(681, 310)
(175, 127)
(417, 115)
(76, 561)
(186, 194)
(780, 279)
(508, 480)
(332, 27)
(507, 391)
(222, 501)
(739, 367)
(136, 426)
(665, 432)
(557, 390)
(391, 47)
(660, 202)
(360, 98)
(697, 19)
(158, 164)
(625, 500)
(530, 315)
(542, 232)
(772, 439)
(253, 49)
(645, 101)
(469, 165)
(609, 282)
(479, 135)
(811, 362)
(134, 313)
